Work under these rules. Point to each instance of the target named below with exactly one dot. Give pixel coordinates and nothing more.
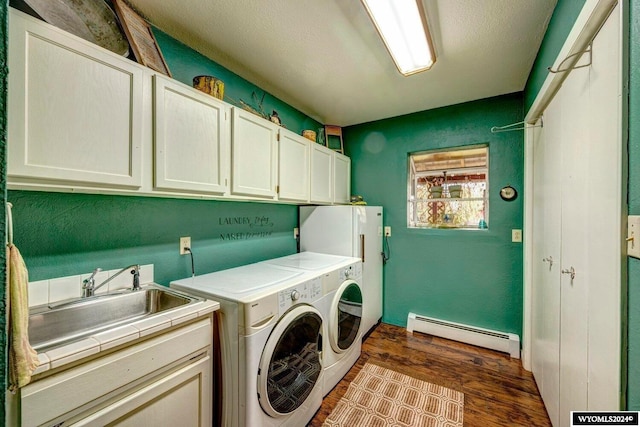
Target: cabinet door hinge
(278, 137)
(277, 189)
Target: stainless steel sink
(51, 326)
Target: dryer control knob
(295, 295)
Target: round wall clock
(508, 193)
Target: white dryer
(342, 307)
(271, 338)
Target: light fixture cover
(402, 24)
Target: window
(449, 188)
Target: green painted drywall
(63, 234)
(562, 20)
(185, 63)
(472, 277)
(3, 191)
(633, 393)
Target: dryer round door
(290, 364)
(345, 316)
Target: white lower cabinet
(321, 174)
(293, 167)
(191, 139)
(164, 380)
(174, 400)
(75, 110)
(254, 155)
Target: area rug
(380, 397)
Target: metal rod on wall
(514, 126)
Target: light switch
(633, 236)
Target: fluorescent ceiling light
(402, 24)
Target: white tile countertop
(103, 341)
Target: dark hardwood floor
(497, 390)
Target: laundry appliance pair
(289, 331)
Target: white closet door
(580, 182)
(606, 198)
(547, 232)
(574, 99)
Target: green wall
(467, 276)
(633, 394)
(3, 186)
(185, 63)
(562, 20)
(63, 234)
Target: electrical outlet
(185, 242)
(387, 231)
(633, 236)
(516, 236)
(296, 232)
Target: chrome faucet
(89, 286)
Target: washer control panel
(351, 272)
(308, 292)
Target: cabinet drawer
(75, 390)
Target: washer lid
(308, 261)
(238, 281)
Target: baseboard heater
(500, 341)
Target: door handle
(362, 246)
(571, 271)
(548, 259)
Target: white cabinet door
(341, 179)
(321, 174)
(75, 110)
(254, 155)
(293, 167)
(182, 398)
(192, 139)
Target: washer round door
(290, 364)
(345, 316)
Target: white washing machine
(271, 338)
(342, 307)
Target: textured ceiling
(325, 58)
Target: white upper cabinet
(254, 155)
(341, 179)
(321, 174)
(75, 110)
(192, 139)
(293, 167)
(81, 118)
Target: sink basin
(61, 324)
